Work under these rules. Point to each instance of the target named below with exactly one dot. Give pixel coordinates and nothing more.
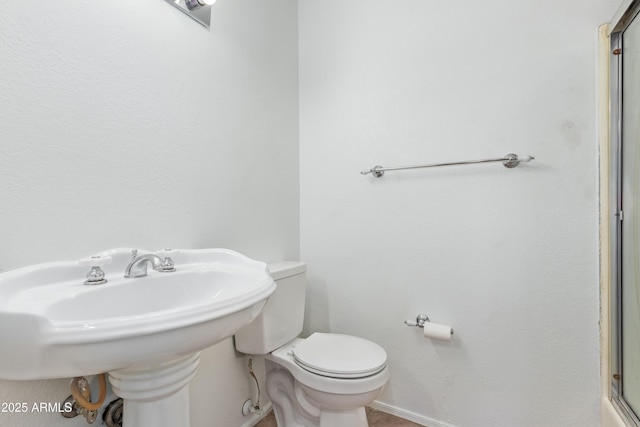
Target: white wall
(507, 257)
(124, 123)
(97, 100)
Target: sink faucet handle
(167, 262)
(96, 275)
(134, 254)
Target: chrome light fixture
(198, 10)
(194, 4)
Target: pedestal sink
(145, 332)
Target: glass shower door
(629, 287)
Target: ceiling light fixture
(198, 10)
(194, 4)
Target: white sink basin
(55, 326)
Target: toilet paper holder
(421, 319)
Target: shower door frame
(616, 165)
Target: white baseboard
(254, 419)
(408, 415)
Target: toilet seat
(339, 356)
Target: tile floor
(376, 419)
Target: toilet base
(294, 404)
(354, 418)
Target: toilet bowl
(324, 380)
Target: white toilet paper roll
(437, 331)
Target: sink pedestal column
(156, 394)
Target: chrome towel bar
(509, 161)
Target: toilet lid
(340, 356)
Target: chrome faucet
(138, 265)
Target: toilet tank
(283, 314)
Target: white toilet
(325, 380)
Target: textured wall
(126, 124)
(507, 257)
